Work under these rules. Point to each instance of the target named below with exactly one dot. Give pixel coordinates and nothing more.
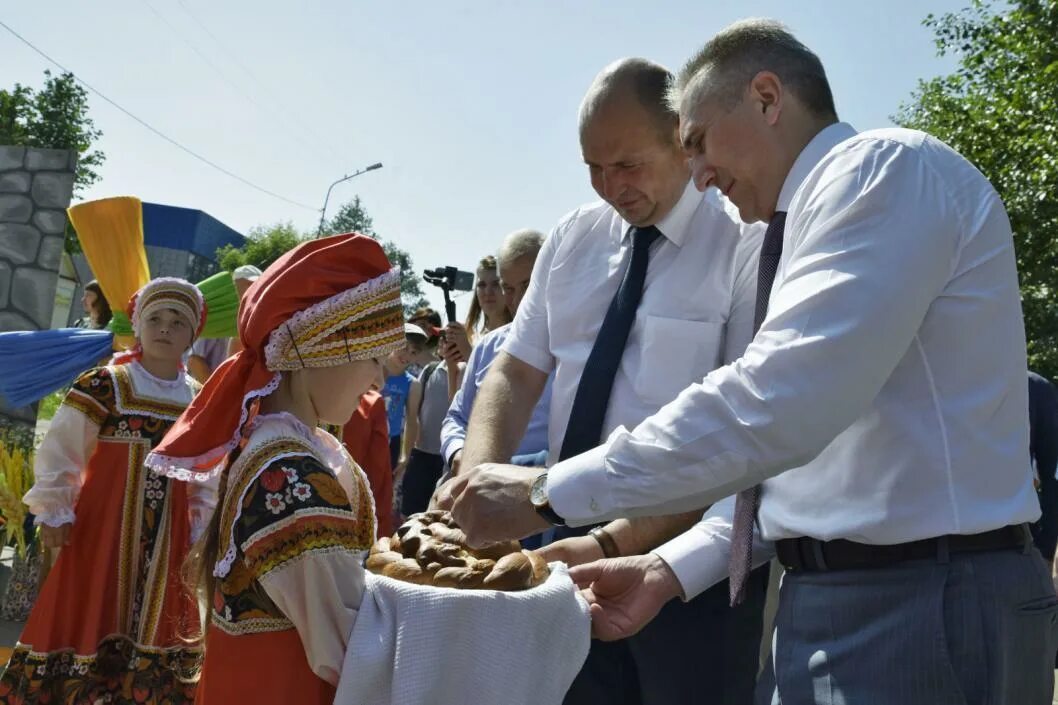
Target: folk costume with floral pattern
(296, 513)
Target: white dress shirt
(695, 314)
(884, 397)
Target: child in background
(111, 617)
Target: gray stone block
(33, 293)
(73, 160)
(11, 157)
(12, 320)
(15, 209)
(50, 222)
(55, 159)
(52, 189)
(50, 252)
(5, 284)
(15, 182)
(25, 417)
(19, 243)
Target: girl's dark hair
(197, 569)
(102, 305)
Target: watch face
(538, 492)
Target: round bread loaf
(429, 549)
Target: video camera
(449, 279)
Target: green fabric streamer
(222, 305)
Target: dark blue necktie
(588, 413)
(747, 502)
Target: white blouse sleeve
(202, 501)
(60, 466)
(321, 594)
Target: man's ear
(768, 92)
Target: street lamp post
(323, 211)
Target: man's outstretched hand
(625, 593)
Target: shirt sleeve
(62, 459)
(530, 338)
(861, 260)
(454, 426)
(321, 596)
(303, 543)
(699, 556)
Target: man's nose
(703, 173)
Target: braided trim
(185, 469)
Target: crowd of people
(758, 358)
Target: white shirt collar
(825, 140)
(676, 223)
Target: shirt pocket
(675, 353)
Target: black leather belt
(806, 554)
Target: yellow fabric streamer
(111, 234)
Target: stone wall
(35, 189)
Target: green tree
(55, 117)
(1000, 110)
(15, 108)
(264, 245)
(352, 217)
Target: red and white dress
(112, 618)
(296, 518)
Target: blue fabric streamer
(33, 364)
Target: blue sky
(471, 107)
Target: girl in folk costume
(280, 564)
(110, 621)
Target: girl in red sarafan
(110, 622)
(280, 564)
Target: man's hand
(456, 462)
(445, 495)
(625, 593)
(576, 550)
(491, 503)
(55, 536)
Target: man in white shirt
(882, 403)
(695, 312)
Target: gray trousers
(979, 629)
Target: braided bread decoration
(429, 549)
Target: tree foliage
(54, 117)
(352, 217)
(266, 244)
(1000, 110)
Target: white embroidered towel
(421, 645)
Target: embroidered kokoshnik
(360, 323)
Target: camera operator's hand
(456, 341)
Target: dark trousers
(702, 652)
(420, 479)
(394, 451)
(978, 629)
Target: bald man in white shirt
(697, 290)
(882, 404)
